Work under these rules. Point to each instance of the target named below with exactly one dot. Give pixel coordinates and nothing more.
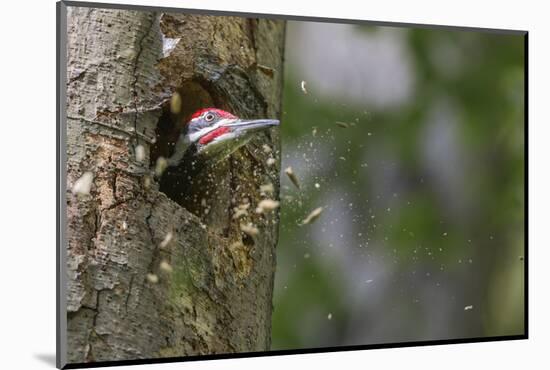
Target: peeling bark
(216, 297)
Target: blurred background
(412, 141)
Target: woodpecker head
(213, 134)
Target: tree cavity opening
(176, 112)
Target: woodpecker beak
(240, 126)
(231, 134)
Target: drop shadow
(47, 358)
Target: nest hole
(176, 112)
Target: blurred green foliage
(440, 246)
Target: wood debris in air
(240, 211)
(292, 176)
(267, 205)
(303, 87)
(267, 188)
(342, 124)
(166, 267)
(175, 103)
(152, 278)
(140, 153)
(83, 185)
(250, 229)
(161, 165)
(167, 239)
(313, 216)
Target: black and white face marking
(201, 123)
(216, 134)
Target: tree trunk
(132, 291)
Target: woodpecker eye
(209, 117)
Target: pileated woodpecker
(209, 137)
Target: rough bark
(218, 296)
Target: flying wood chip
(239, 212)
(167, 239)
(267, 188)
(166, 267)
(146, 182)
(342, 124)
(303, 86)
(267, 205)
(313, 216)
(175, 103)
(152, 278)
(140, 153)
(161, 165)
(290, 173)
(250, 229)
(83, 185)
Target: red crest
(219, 112)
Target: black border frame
(60, 188)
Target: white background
(27, 144)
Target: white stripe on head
(195, 136)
